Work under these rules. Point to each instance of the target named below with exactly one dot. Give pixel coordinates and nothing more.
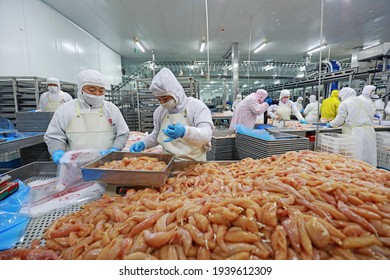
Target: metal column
(235, 71)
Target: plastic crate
(337, 144)
(7, 156)
(384, 159)
(383, 141)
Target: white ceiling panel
(175, 28)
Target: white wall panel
(110, 64)
(38, 41)
(13, 46)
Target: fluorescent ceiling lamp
(259, 47)
(139, 45)
(316, 49)
(302, 68)
(268, 67)
(202, 45)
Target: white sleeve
(341, 116)
(55, 136)
(387, 109)
(41, 101)
(271, 110)
(296, 112)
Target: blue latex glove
(33, 111)
(268, 100)
(376, 116)
(137, 147)
(303, 122)
(104, 152)
(57, 155)
(302, 110)
(328, 125)
(174, 131)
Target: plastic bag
(45, 197)
(69, 169)
(14, 202)
(257, 133)
(12, 229)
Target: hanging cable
(207, 42)
(249, 47)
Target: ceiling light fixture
(268, 67)
(139, 45)
(316, 49)
(259, 47)
(202, 45)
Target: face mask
(169, 105)
(93, 100)
(52, 89)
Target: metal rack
(18, 94)
(147, 103)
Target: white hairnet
(346, 92)
(90, 78)
(367, 90)
(52, 81)
(312, 98)
(300, 99)
(284, 93)
(239, 97)
(165, 83)
(261, 94)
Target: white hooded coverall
(311, 110)
(284, 110)
(356, 118)
(76, 125)
(299, 104)
(189, 111)
(252, 106)
(50, 101)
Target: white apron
(366, 143)
(89, 131)
(284, 113)
(179, 147)
(51, 105)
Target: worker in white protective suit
(182, 125)
(236, 102)
(252, 106)
(87, 122)
(356, 118)
(311, 110)
(54, 97)
(299, 104)
(367, 92)
(387, 111)
(282, 112)
(379, 106)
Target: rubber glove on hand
(57, 155)
(328, 125)
(302, 110)
(303, 122)
(174, 131)
(137, 147)
(104, 152)
(376, 116)
(268, 100)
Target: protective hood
(53, 81)
(239, 97)
(312, 98)
(300, 99)
(90, 77)
(284, 93)
(346, 92)
(165, 83)
(335, 93)
(367, 90)
(261, 94)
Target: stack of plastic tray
(33, 121)
(383, 149)
(223, 146)
(249, 146)
(337, 144)
(10, 159)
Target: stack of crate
(10, 160)
(337, 144)
(383, 149)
